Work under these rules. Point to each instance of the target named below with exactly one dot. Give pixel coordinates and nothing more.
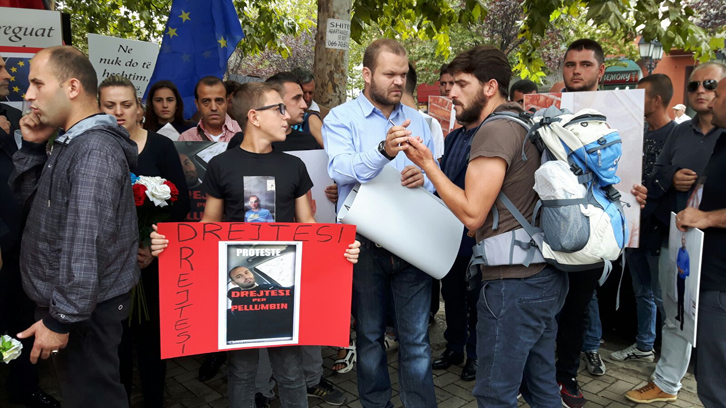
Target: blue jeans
(377, 277)
(516, 340)
(593, 333)
(286, 367)
(643, 267)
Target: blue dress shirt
(351, 134)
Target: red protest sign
(226, 286)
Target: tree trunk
(331, 64)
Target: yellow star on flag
(16, 89)
(172, 32)
(13, 69)
(12, 78)
(22, 96)
(21, 63)
(184, 16)
(222, 42)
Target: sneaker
(632, 353)
(327, 392)
(390, 342)
(261, 401)
(571, 395)
(649, 393)
(595, 365)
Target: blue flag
(199, 38)
(19, 69)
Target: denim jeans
(312, 360)
(593, 334)
(377, 277)
(286, 366)
(516, 340)
(643, 267)
(711, 348)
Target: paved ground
(185, 391)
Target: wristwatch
(382, 150)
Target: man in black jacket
(80, 241)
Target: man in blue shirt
(361, 137)
(683, 263)
(256, 213)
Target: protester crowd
(71, 252)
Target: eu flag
(19, 70)
(199, 38)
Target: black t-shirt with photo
(276, 179)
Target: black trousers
(88, 368)
(681, 286)
(146, 336)
(460, 308)
(573, 322)
(18, 314)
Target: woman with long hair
(164, 105)
(157, 157)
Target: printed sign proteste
(229, 285)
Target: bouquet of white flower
(10, 348)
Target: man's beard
(583, 87)
(471, 113)
(380, 96)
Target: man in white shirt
(679, 112)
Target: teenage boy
(262, 114)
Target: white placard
(337, 34)
(131, 59)
(30, 28)
(409, 222)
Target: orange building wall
(678, 66)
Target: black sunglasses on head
(280, 106)
(709, 85)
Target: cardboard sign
(130, 59)
(30, 29)
(226, 286)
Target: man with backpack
(517, 303)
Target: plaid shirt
(79, 246)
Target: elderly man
(679, 113)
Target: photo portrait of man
(256, 213)
(683, 264)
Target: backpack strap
(586, 118)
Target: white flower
(13, 352)
(156, 190)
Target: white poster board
(409, 222)
(681, 282)
(316, 161)
(30, 28)
(131, 59)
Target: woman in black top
(164, 105)
(157, 157)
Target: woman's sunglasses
(709, 85)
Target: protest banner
(681, 280)
(624, 112)
(130, 59)
(24, 32)
(381, 210)
(195, 157)
(229, 285)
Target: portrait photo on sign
(195, 158)
(259, 198)
(259, 286)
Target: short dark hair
(151, 121)
(249, 96)
(282, 78)
(444, 70)
(524, 86)
(207, 81)
(66, 62)
(117, 80)
(231, 86)
(411, 79)
(376, 47)
(588, 44)
(304, 75)
(658, 85)
(485, 63)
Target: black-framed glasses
(709, 85)
(280, 106)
